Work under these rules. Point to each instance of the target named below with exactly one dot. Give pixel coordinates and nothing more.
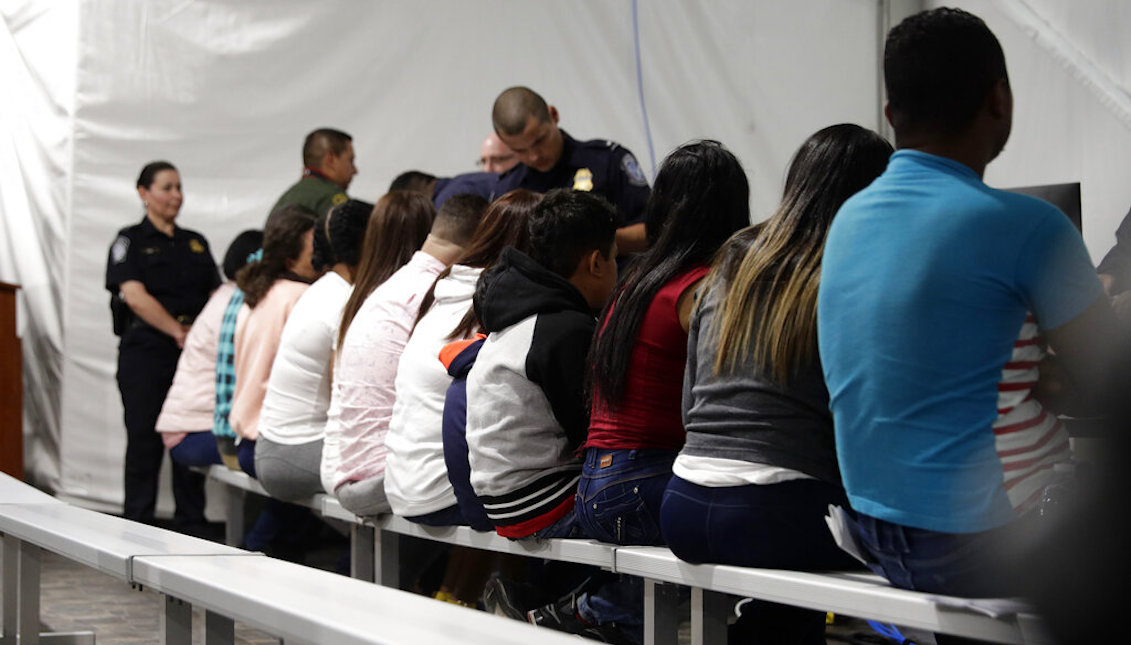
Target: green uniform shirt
(315, 193)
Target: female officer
(159, 277)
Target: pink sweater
(257, 341)
(364, 385)
(192, 397)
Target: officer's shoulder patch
(339, 198)
(632, 170)
(119, 248)
(196, 246)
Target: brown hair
(282, 241)
(397, 228)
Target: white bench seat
(311, 606)
(854, 594)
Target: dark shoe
(502, 598)
(562, 616)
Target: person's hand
(180, 335)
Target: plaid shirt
(226, 367)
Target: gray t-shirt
(748, 416)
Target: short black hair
(514, 107)
(568, 224)
(244, 245)
(339, 234)
(149, 173)
(321, 140)
(458, 218)
(414, 180)
(939, 66)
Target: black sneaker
(562, 616)
(501, 597)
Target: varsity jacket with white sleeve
(526, 412)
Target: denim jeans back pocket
(619, 495)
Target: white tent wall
(38, 44)
(227, 90)
(1070, 70)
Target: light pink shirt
(191, 399)
(256, 346)
(364, 383)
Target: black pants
(147, 360)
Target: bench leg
(176, 622)
(386, 558)
(9, 579)
(709, 611)
(362, 552)
(218, 629)
(29, 593)
(661, 613)
(234, 529)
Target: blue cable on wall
(640, 86)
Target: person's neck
(441, 249)
(968, 149)
(343, 270)
(165, 226)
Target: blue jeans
(973, 565)
(196, 449)
(620, 492)
(955, 564)
(780, 526)
(608, 598)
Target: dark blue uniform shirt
(178, 271)
(602, 167)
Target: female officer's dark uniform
(180, 273)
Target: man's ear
(1001, 99)
(594, 262)
(887, 112)
(553, 114)
(328, 159)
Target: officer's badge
(340, 198)
(632, 169)
(583, 180)
(196, 246)
(118, 250)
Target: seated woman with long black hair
(758, 470)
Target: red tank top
(648, 415)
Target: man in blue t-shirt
(929, 280)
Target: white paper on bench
(312, 606)
(100, 541)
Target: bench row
(374, 549)
(296, 603)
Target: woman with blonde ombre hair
(758, 470)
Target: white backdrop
(227, 90)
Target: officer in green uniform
(159, 276)
(328, 169)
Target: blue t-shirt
(927, 277)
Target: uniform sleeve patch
(632, 170)
(340, 198)
(119, 249)
(195, 246)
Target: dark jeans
(196, 449)
(450, 516)
(147, 360)
(779, 526)
(245, 453)
(972, 565)
(620, 492)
